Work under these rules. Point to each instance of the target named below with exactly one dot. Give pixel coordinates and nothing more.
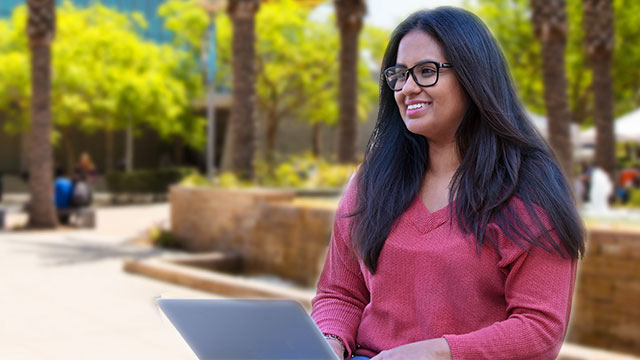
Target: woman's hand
(433, 349)
(337, 347)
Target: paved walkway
(64, 294)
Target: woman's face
(436, 111)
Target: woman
(458, 237)
(85, 170)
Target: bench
(4, 210)
(83, 217)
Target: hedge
(146, 180)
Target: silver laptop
(247, 329)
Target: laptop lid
(224, 329)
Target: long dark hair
(502, 154)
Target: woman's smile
(416, 108)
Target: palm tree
(40, 29)
(599, 40)
(550, 25)
(349, 15)
(243, 114)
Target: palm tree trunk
(599, 39)
(243, 111)
(25, 151)
(550, 24)
(40, 29)
(349, 15)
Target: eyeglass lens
(425, 75)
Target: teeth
(416, 106)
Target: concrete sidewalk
(64, 294)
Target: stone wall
(291, 241)
(264, 227)
(606, 308)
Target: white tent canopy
(540, 122)
(580, 152)
(626, 129)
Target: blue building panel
(148, 8)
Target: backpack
(82, 194)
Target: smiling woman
(458, 236)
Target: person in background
(458, 236)
(63, 192)
(84, 174)
(85, 170)
(626, 182)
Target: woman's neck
(444, 159)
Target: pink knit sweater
(432, 283)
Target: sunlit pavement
(64, 294)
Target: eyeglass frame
(439, 65)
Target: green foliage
(146, 180)
(305, 171)
(189, 22)
(105, 76)
(510, 23)
(626, 72)
(15, 79)
(627, 155)
(230, 180)
(195, 179)
(163, 238)
(297, 58)
(634, 198)
(299, 171)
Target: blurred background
(220, 134)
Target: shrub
(195, 179)
(305, 171)
(163, 238)
(634, 198)
(146, 180)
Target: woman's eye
(397, 75)
(428, 71)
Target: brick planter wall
(264, 227)
(208, 219)
(606, 308)
(291, 241)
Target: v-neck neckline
(424, 219)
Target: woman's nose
(410, 86)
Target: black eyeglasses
(424, 73)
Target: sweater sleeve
(538, 291)
(342, 293)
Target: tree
(510, 22)
(297, 63)
(299, 74)
(40, 30)
(105, 78)
(599, 41)
(550, 25)
(243, 115)
(349, 14)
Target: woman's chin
(416, 126)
